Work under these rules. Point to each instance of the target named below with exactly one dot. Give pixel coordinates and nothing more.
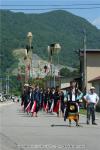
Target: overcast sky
(92, 13)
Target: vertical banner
(19, 74)
(27, 72)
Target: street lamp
(29, 55)
(29, 36)
(53, 49)
(57, 47)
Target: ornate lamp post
(29, 57)
(53, 49)
(29, 36)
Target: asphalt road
(18, 131)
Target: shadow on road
(61, 125)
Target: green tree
(65, 72)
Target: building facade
(92, 66)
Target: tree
(65, 72)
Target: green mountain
(56, 26)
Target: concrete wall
(93, 66)
(96, 84)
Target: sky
(77, 7)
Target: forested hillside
(56, 26)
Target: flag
(56, 107)
(33, 107)
(46, 108)
(52, 106)
(28, 107)
(19, 74)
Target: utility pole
(30, 36)
(7, 83)
(85, 63)
(0, 74)
(6, 86)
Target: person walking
(57, 101)
(36, 103)
(30, 99)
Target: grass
(83, 111)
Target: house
(92, 66)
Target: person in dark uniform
(57, 100)
(44, 99)
(62, 103)
(41, 98)
(25, 96)
(47, 100)
(52, 99)
(31, 98)
(36, 104)
(22, 97)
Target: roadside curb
(97, 118)
(5, 104)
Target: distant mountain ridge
(56, 26)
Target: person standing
(91, 99)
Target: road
(18, 131)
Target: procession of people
(54, 100)
(49, 100)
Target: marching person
(41, 98)
(47, 100)
(52, 99)
(30, 99)
(62, 103)
(22, 97)
(25, 96)
(44, 100)
(36, 103)
(73, 94)
(57, 101)
(91, 99)
(31, 96)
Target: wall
(96, 84)
(93, 66)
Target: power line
(54, 5)
(51, 8)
